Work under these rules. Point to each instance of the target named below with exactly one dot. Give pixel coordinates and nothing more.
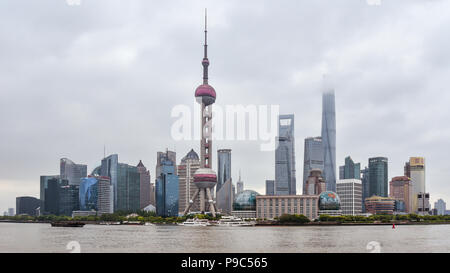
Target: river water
(314, 239)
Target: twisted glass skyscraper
(329, 139)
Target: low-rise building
(270, 207)
(380, 205)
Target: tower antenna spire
(205, 61)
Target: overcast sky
(76, 78)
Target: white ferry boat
(196, 223)
(231, 221)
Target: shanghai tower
(329, 139)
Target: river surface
(314, 239)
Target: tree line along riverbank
(284, 220)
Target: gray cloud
(76, 78)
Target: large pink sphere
(206, 94)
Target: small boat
(109, 223)
(67, 224)
(231, 221)
(195, 223)
(133, 223)
(149, 224)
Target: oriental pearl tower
(205, 178)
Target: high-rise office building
(167, 189)
(378, 177)
(239, 185)
(27, 205)
(125, 180)
(186, 170)
(109, 168)
(417, 171)
(44, 179)
(96, 194)
(329, 139)
(68, 197)
(285, 180)
(365, 186)
(407, 170)
(72, 172)
(128, 188)
(225, 198)
(350, 193)
(400, 189)
(350, 170)
(313, 157)
(440, 206)
(223, 167)
(423, 203)
(315, 184)
(11, 212)
(58, 196)
(270, 187)
(145, 185)
(167, 155)
(224, 187)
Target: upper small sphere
(329, 200)
(206, 93)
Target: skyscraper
(224, 188)
(270, 187)
(417, 171)
(223, 167)
(440, 207)
(72, 172)
(313, 157)
(145, 185)
(350, 170)
(205, 178)
(329, 139)
(95, 194)
(285, 181)
(167, 155)
(365, 186)
(126, 183)
(400, 188)
(239, 185)
(167, 189)
(128, 188)
(109, 168)
(68, 198)
(350, 193)
(378, 176)
(186, 170)
(315, 184)
(27, 205)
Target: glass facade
(285, 180)
(350, 170)
(313, 157)
(223, 167)
(72, 172)
(329, 139)
(378, 176)
(27, 205)
(167, 190)
(270, 187)
(245, 200)
(128, 188)
(88, 194)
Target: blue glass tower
(88, 194)
(329, 139)
(167, 190)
